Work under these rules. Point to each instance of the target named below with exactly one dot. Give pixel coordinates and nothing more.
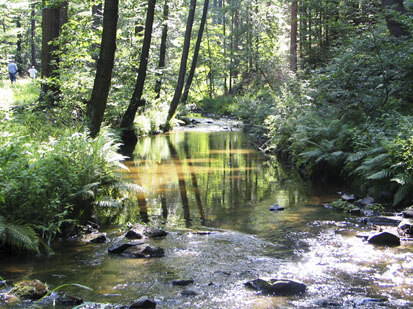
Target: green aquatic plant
(60, 287)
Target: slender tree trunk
(33, 35)
(101, 87)
(224, 29)
(136, 100)
(182, 69)
(162, 51)
(97, 15)
(196, 52)
(53, 19)
(396, 29)
(19, 58)
(293, 43)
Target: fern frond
(401, 194)
(375, 150)
(353, 157)
(384, 174)
(377, 159)
(22, 237)
(311, 154)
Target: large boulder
(149, 231)
(133, 234)
(279, 287)
(384, 239)
(143, 251)
(29, 290)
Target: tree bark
(396, 29)
(97, 104)
(293, 37)
(33, 35)
(162, 51)
(196, 52)
(19, 58)
(182, 69)
(136, 100)
(53, 19)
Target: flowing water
(198, 182)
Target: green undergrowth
(348, 121)
(53, 177)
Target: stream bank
(211, 191)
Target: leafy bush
(58, 183)
(224, 105)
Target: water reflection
(209, 179)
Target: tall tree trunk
(396, 29)
(293, 43)
(136, 100)
(53, 19)
(162, 50)
(196, 52)
(19, 58)
(224, 29)
(97, 104)
(182, 69)
(33, 35)
(97, 15)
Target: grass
(23, 92)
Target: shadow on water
(212, 192)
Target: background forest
(325, 84)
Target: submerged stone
(382, 220)
(68, 300)
(384, 239)
(189, 293)
(143, 302)
(29, 290)
(182, 282)
(278, 287)
(119, 248)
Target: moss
(33, 290)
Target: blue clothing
(12, 68)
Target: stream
(211, 190)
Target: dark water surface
(217, 182)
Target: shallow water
(217, 182)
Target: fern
(383, 174)
(19, 237)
